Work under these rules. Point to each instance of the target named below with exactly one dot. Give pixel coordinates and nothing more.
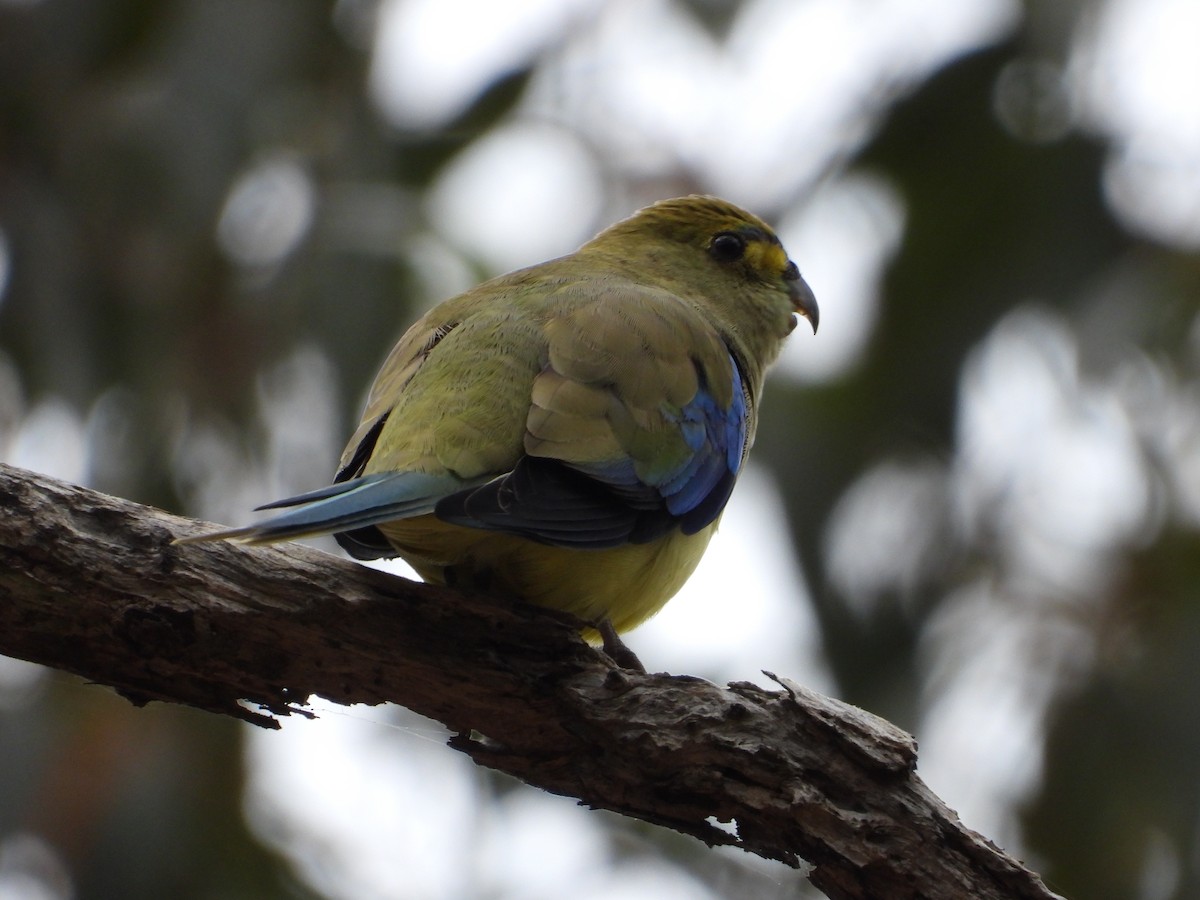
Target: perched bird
(568, 434)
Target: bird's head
(721, 258)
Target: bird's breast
(626, 584)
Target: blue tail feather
(356, 503)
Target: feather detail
(569, 434)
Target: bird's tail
(356, 503)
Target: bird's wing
(585, 415)
(637, 424)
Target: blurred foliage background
(217, 215)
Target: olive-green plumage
(568, 434)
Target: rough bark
(93, 585)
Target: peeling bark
(93, 585)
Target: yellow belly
(626, 584)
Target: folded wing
(634, 424)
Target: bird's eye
(727, 247)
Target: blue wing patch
(609, 504)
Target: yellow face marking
(766, 257)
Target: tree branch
(93, 585)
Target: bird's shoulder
(622, 340)
(589, 324)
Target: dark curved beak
(803, 301)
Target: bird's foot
(616, 648)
